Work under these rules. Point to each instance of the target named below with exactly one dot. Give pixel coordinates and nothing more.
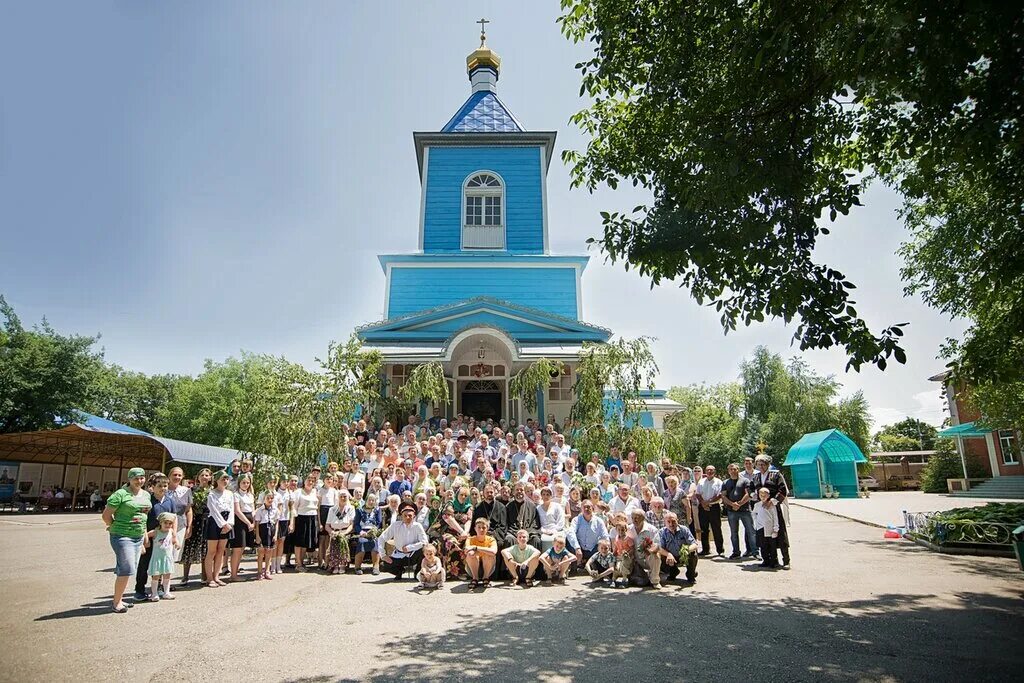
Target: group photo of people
(437, 502)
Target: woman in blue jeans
(125, 517)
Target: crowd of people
(476, 501)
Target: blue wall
(549, 289)
(447, 170)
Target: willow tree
(533, 379)
(608, 400)
(426, 383)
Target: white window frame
(1006, 445)
(561, 385)
(483, 192)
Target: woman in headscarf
(453, 538)
(125, 517)
(340, 521)
(368, 525)
(194, 551)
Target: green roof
(967, 429)
(832, 446)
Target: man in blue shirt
(678, 546)
(585, 531)
(521, 455)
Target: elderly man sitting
(585, 531)
(646, 550)
(401, 544)
(678, 548)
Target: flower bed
(985, 526)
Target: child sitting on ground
(521, 560)
(601, 564)
(766, 525)
(431, 574)
(557, 560)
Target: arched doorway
(481, 399)
(480, 364)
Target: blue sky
(191, 179)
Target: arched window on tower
(483, 224)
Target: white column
(991, 446)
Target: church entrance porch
(481, 399)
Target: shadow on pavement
(91, 609)
(997, 567)
(590, 636)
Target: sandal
(120, 609)
(213, 584)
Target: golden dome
(483, 56)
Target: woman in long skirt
(194, 550)
(340, 519)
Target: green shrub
(945, 464)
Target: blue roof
(94, 422)
(483, 112)
(178, 451)
(832, 445)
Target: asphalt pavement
(852, 607)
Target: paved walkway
(853, 607)
(886, 507)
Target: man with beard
(493, 510)
(521, 513)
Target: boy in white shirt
(766, 525)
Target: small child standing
(766, 525)
(431, 574)
(161, 561)
(266, 518)
(601, 564)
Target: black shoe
(704, 553)
(734, 556)
(691, 579)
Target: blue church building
(483, 295)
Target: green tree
(752, 124)
(426, 383)
(131, 398)
(709, 426)
(44, 376)
(791, 400)
(945, 464)
(894, 443)
(608, 401)
(618, 370)
(921, 433)
(532, 379)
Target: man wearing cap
(401, 544)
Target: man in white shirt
(628, 476)
(401, 545)
(709, 512)
(623, 502)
